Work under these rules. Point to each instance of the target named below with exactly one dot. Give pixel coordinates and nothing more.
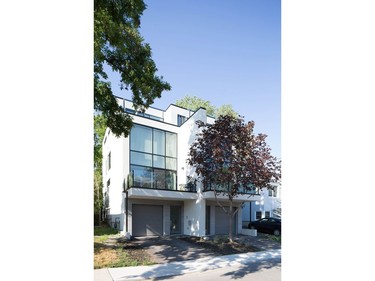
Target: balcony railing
(225, 188)
(158, 185)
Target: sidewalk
(178, 268)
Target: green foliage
(118, 44)
(104, 230)
(226, 109)
(194, 103)
(98, 194)
(99, 131)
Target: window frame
(154, 167)
(256, 215)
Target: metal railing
(223, 188)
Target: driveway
(171, 249)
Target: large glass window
(153, 161)
(170, 180)
(141, 176)
(159, 142)
(171, 163)
(141, 139)
(159, 179)
(138, 158)
(171, 144)
(159, 161)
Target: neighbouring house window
(109, 161)
(272, 193)
(267, 214)
(258, 215)
(181, 119)
(153, 158)
(108, 183)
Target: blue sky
(227, 52)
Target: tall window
(153, 158)
(267, 214)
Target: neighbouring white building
(269, 205)
(145, 178)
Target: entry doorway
(175, 220)
(208, 219)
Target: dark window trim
(152, 167)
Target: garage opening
(147, 220)
(222, 222)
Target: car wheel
(276, 232)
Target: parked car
(267, 225)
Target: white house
(145, 178)
(269, 205)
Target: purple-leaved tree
(230, 160)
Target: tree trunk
(230, 220)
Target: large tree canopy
(118, 43)
(229, 159)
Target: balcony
(244, 195)
(242, 190)
(153, 187)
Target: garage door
(222, 222)
(147, 220)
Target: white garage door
(147, 220)
(222, 222)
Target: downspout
(126, 211)
(250, 210)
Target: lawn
(109, 253)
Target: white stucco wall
(170, 115)
(116, 173)
(186, 136)
(195, 215)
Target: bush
(104, 230)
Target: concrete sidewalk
(183, 267)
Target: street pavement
(239, 266)
(237, 272)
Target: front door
(208, 220)
(175, 219)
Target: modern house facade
(146, 178)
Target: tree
(99, 131)
(231, 160)
(226, 109)
(118, 44)
(194, 103)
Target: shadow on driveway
(171, 248)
